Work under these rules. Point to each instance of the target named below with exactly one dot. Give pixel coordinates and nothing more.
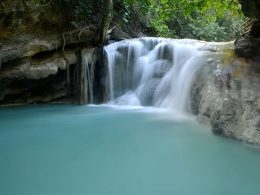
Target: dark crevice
(36, 91)
(80, 79)
(100, 74)
(43, 55)
(71, 89)
(10, 64)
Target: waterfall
(89, 80)
(155, 71)
(89, 84)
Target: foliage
(214, 20)
(211, 20)
(84, 9)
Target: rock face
(38, 55)
(233, 113)
(230, 105)
(248, 46)
(251, 8)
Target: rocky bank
(230, 107)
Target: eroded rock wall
(226, 96)
(38, 45)
(249, 45)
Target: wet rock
(161, 68)
(244, 47)
(29, 69)
(196, 96)
(27, 46)
(231, 112)
(216, 123)
(247, 47)
(257, 125)
(210, 60)
(146, 92)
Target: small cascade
(83, 76)
(88, 79)
(155, 71)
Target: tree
(217, 20)
(107, 17)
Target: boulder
(231, 112)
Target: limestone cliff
(226, 96)
(38, 43)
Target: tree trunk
(107, 17)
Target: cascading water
(89, 81)
(155, 71)
(88, 86)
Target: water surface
(66, 149)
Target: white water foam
(155, 72)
